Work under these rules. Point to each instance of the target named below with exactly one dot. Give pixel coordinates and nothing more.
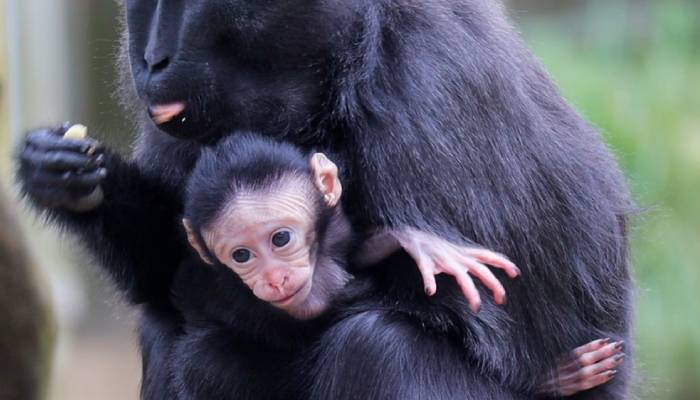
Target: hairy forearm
(134, 232)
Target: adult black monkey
(447, 124)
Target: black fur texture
(444, 122)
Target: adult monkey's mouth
(179, 119)
(162, 113)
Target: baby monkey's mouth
(287, 300)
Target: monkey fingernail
(93, 148)
(619, 358)
(619, 345)
(612, 373)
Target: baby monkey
(273, 216)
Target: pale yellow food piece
(87, 203)
(77, 132)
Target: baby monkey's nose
(277, 278)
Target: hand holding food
(63, 168)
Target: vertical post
(14, 92)
(42, 76)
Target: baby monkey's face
(267, 239)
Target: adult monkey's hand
(58, 172)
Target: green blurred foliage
(635, 73)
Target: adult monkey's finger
(50, 140)
(59, 160)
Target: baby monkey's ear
(195, 242)
(326, 178)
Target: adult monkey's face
(203, 68)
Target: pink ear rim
(326, 178)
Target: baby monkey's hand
(588, 366)
(435, 255)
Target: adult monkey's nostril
(156, 62)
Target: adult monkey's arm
(133, 230)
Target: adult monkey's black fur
(446, 123)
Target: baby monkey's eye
(241, 256)
(281, 238)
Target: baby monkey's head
(262, 208)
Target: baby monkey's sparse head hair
(243, 164)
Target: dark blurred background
(632, 67)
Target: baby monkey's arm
(434, 255)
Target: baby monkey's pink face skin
(266, 239)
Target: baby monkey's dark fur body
(444, 122)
